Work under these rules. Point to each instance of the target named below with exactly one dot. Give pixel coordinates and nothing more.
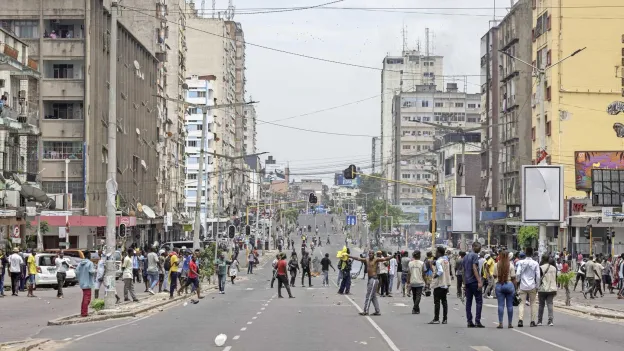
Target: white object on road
(220, 340)
(186, 303)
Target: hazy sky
(288, 85)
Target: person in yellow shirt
(488, 273)
(173, 277)
(32, 273)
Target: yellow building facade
(578, 90)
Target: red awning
(84, 221)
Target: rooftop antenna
(214, 8)
(203, 7)
(404, 32)
(230, 11)
(426, 54)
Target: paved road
(253, 318)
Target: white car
(46, 271)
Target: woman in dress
(233, 269)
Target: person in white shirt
(528, 275)
(62, 265)
(392, 272)
(15, 269)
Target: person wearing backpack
(547, 289)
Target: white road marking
(243, 329)
(383, 334)
(254, 317)
(236, 337)
(258, 312)
(110, 328)
(249, 289)
(400, 305)
(481, 348)
(263, 308)
(228, 348)
(248, 323)
(67, 339)
(543, 340)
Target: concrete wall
(19, 9)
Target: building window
(439, 104)
(533, 133)
(425, 103)
(192, 160)
(472, 105)
(547, 126)
(27, 29)
(196, 94)
(191, 193)
(548, 26)
(63, 71)
(76, 188)
(191, 176)
(191, 143)
(405, 176)
(548, 96)
(459, 104)
(65, 111)
(548, 58)
(62, 150)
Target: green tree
(526, 235)
(564, 280)
(372, 187)
(378, 209)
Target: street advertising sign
(542, 194)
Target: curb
(594, 314)
(76, 319)
(24, 345)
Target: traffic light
(122, 230)
(231, 231)
(432, 229)
(349, 173)
(312, 199)
(586, 231)
(247, 230)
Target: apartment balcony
(423, 138)
(62, 128)
(62, 89)
(55, 170)
(63, 48)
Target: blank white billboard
(463, 215)
(542, 194)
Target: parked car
(46, 271)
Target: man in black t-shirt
(325, 264)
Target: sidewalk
(607, 307)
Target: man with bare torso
(371, 289)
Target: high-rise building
(416, 161)
(200, 92)
(402, 74)
(73, 114)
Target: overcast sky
(287, 85)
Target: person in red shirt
(282, 278)
(193, 278)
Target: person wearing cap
(15, 269)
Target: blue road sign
(351, 220)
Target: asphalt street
(253, 318)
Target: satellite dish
(149, 212)
(136, 64)
(138, 131)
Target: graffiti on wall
(585, 161)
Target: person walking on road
(174, 263)
(234, 266)
(128, 276)
(325, 264)
(4, 263)
(598, 270)
(293, 267)
(192, 278)
(383, 275)
(62, 265)
(580, 275)
(31, 270)
(282, 277)
(373, 281)
(405, 261)
(15, 269)
(136, 274)
(505, 276)
(86, 279)
(528, 274)
(590, 276)
(274, 265)
(221, 265)
(547, 289)
(152, 270)
(459, 273)
(392, 271)
(416, 280)
(306, 263)
(251, 258)
(607, 276)
(440, 283)
(473, 286)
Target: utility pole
(541, 76)
(111, 183)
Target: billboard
(585, 161)
(542, 194)
(339, 180)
